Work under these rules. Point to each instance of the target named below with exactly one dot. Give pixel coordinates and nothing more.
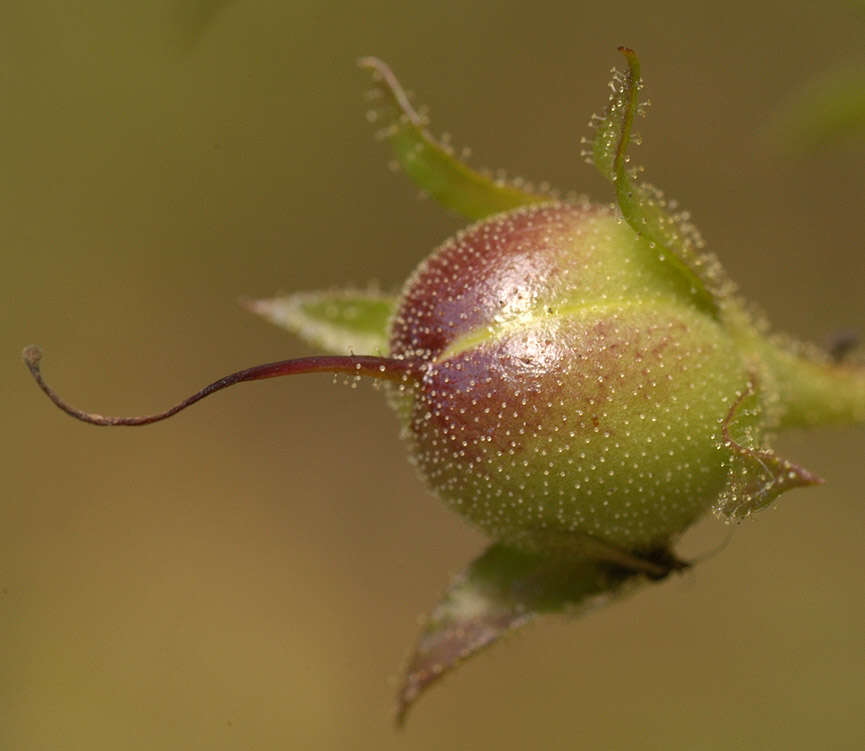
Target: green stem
(813, 390)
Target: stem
(384, 368)
(813, 389)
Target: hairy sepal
(501, 591)
(341, 322)
(432, 164)
(671, 236)
(757, 475)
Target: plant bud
(579, 381)
(572, 387)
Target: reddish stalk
(383, 368)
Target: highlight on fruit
(579, 380)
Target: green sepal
(431, 164)
(502, 590)
(672, 237)
(757, 475)
(341, 322)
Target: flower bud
(579, 381)
(572, 386)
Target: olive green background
(250, 574)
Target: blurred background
(249, 575)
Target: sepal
(430, 163)
(502, 590)
(757, 475)
(342, 322)
(670, 236)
